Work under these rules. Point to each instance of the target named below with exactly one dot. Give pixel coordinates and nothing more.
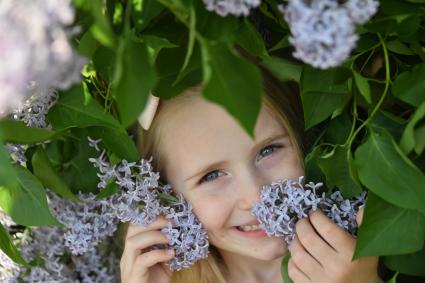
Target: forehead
(201, 132)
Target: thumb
(359, 216)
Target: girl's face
(220, 170)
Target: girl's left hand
(321, 253)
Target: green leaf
(412, 264)
(27, 204)
(7, 172)
(409, 139)
(283, 69)
(339, 176)
(388, 121)
(101, 28)
(233, 83)
(79, 174)
(386, 171)
(409, 86)
(117, 142)
(108, 191)
(339, 129)
(323, 92)
(397, 46)
(45, 172)
(73, 109)
(250, 39)
(87, 45)
(168, 63)
(387, 229)
(320, 105)
(284, 269)
(394, 278)
(283, 43)
(155, 44)
(333, 80)
(7, 246)
(190, 45)
(134, 78)
(144, 12)
(363, 86)
(18, 132)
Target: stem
(381, 100)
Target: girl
(204, 154)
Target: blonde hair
(283, 102)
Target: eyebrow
(221, 163)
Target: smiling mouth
(248, 228)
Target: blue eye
(211, 176)
(268, 150)
(207, 178)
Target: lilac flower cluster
(284, 202)
(187, 236)
(138, 200)
(323, 31)
(233, 7)
(88, 222)
(33, 113)
(50, 243)
(35, 48)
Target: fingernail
(170, 252)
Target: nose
(248, 189)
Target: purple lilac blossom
(284, 202)
(187, 236)
(34, 39)
(136, 200)
(323, 31)
(139, 201)
(233, 7)
(32, 112)
(88, 222)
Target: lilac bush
(284, 202)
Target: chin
(271, 252)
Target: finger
(313, 243)
(337, 237)
(296, 274)
(145, 261)
(359, 216)
(134, 245)
(158, 223)
(304, 261)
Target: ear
(359, 216)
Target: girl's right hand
(140, 266)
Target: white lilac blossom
(187, 236)
(284, 202)
(360, 11)
(233, 7)
(35, 48)
(323, 31)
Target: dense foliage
(361, 78)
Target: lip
(253, 222)
(253, 234)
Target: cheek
(212, 211)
